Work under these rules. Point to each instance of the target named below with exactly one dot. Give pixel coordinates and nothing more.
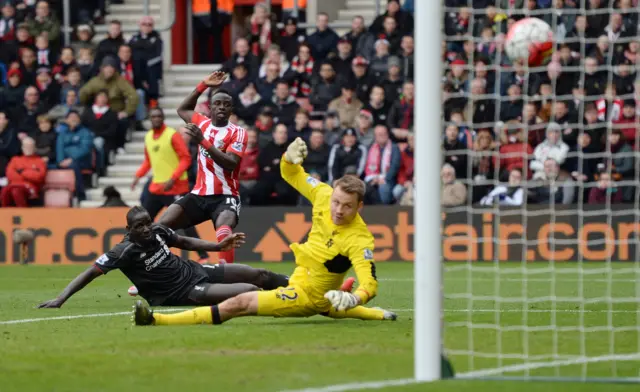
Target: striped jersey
(212, 179)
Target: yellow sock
(194, 316)
(359, 312)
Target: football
(530, 40)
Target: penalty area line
(76, 316)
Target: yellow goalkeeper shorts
(289, 301)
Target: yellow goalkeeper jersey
(330, 250)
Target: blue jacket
(76, 144)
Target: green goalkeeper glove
(296, 152)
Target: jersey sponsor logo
(102, 259)
(237, 146)
(142, 255)
(312, 181)
(368, 254)
(159, 257)
(198, 288)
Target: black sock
(215, 312)
(274, 281)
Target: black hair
(282, 81)
(222, 91)
(133, 213)
(159, 109)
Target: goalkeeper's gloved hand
(296, 152)
(341, 300)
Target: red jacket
(28, 171)
(249, 169)
(629, 128)
(599, 196)
(513, 156)
(406, 166)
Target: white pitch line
(358, 386)
(516, 280)
(76, 316)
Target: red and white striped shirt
(212, 178)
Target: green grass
(260, 354)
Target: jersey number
(235, 204)
(288, 293)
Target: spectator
(301, 71)
(44, 22)
(594, 80)
(9, 143)
(60, 111)
(24, 116)
(26, 174)
(383, 163)
(242, 54)
(346, 157)
(260, 30)
(123, 98)
(48, 89)
(135, 72)
(401, 114)
(110, 45)
(341, 60)
(606, 191)
(8, 22)
(267, 85)
(46, 140)
(514, 150)
(453, 192)
(73, 149)
(534, 124)
(103, 122)
(112, 198)
(551, 187)
(300, 127)
(318, 155)
(332, 128)
(66, 62)
(584, 167)
(512, 108)
(236, 84)
(392, 34)
(45, 56)
(271, 189)
(324, 39)
(377, 105)
(347, 105)
(24, 40)
(479, 110)
(623, 80)
(405, 174)
(364, 128)
(13, 93)
(482, 164)
(406, 57)
(379, 64)
(510, 195)
(577, 37)
(357, 35)
(85, 35)
(551, 148)
(455, 152)
(28, 66)
(249, 104)
(85, 64)
(562, 115)
(73, 82)
(363, 81)
(264, 126)
(393, 81)
(284, 105)
(403, 18)
(621, 161)
(290, 38)
(249, 169)
(147, 49)
(628, 123)
(274, 56)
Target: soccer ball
(530, 40)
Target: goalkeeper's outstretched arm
(293, 173)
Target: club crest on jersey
(237, 146)
(368, 254)
(312, 181)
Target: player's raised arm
(293, 173)
(76, 285)
(187, 107)
(234, 240)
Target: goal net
(541, 205)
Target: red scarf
(127, 71)
(303, 87)
(407, 113)
(263, 31)
(99, 111)
(262, 127)
(378, 161)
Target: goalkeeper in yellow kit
(339, 239)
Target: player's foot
(133, 291)
(388, 315)
(142, 314)
(347, 285)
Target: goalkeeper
(339, 239)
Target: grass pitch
(538, 318)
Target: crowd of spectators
(73, 104)
(563, 133)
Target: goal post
(541, 275)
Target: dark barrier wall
(81, 235)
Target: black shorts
(155, 203)
(199, 209)
(193, 296)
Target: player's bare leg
(265, 279)
(224, 225)
(362, 313)
(239, 306)
(175, 218)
